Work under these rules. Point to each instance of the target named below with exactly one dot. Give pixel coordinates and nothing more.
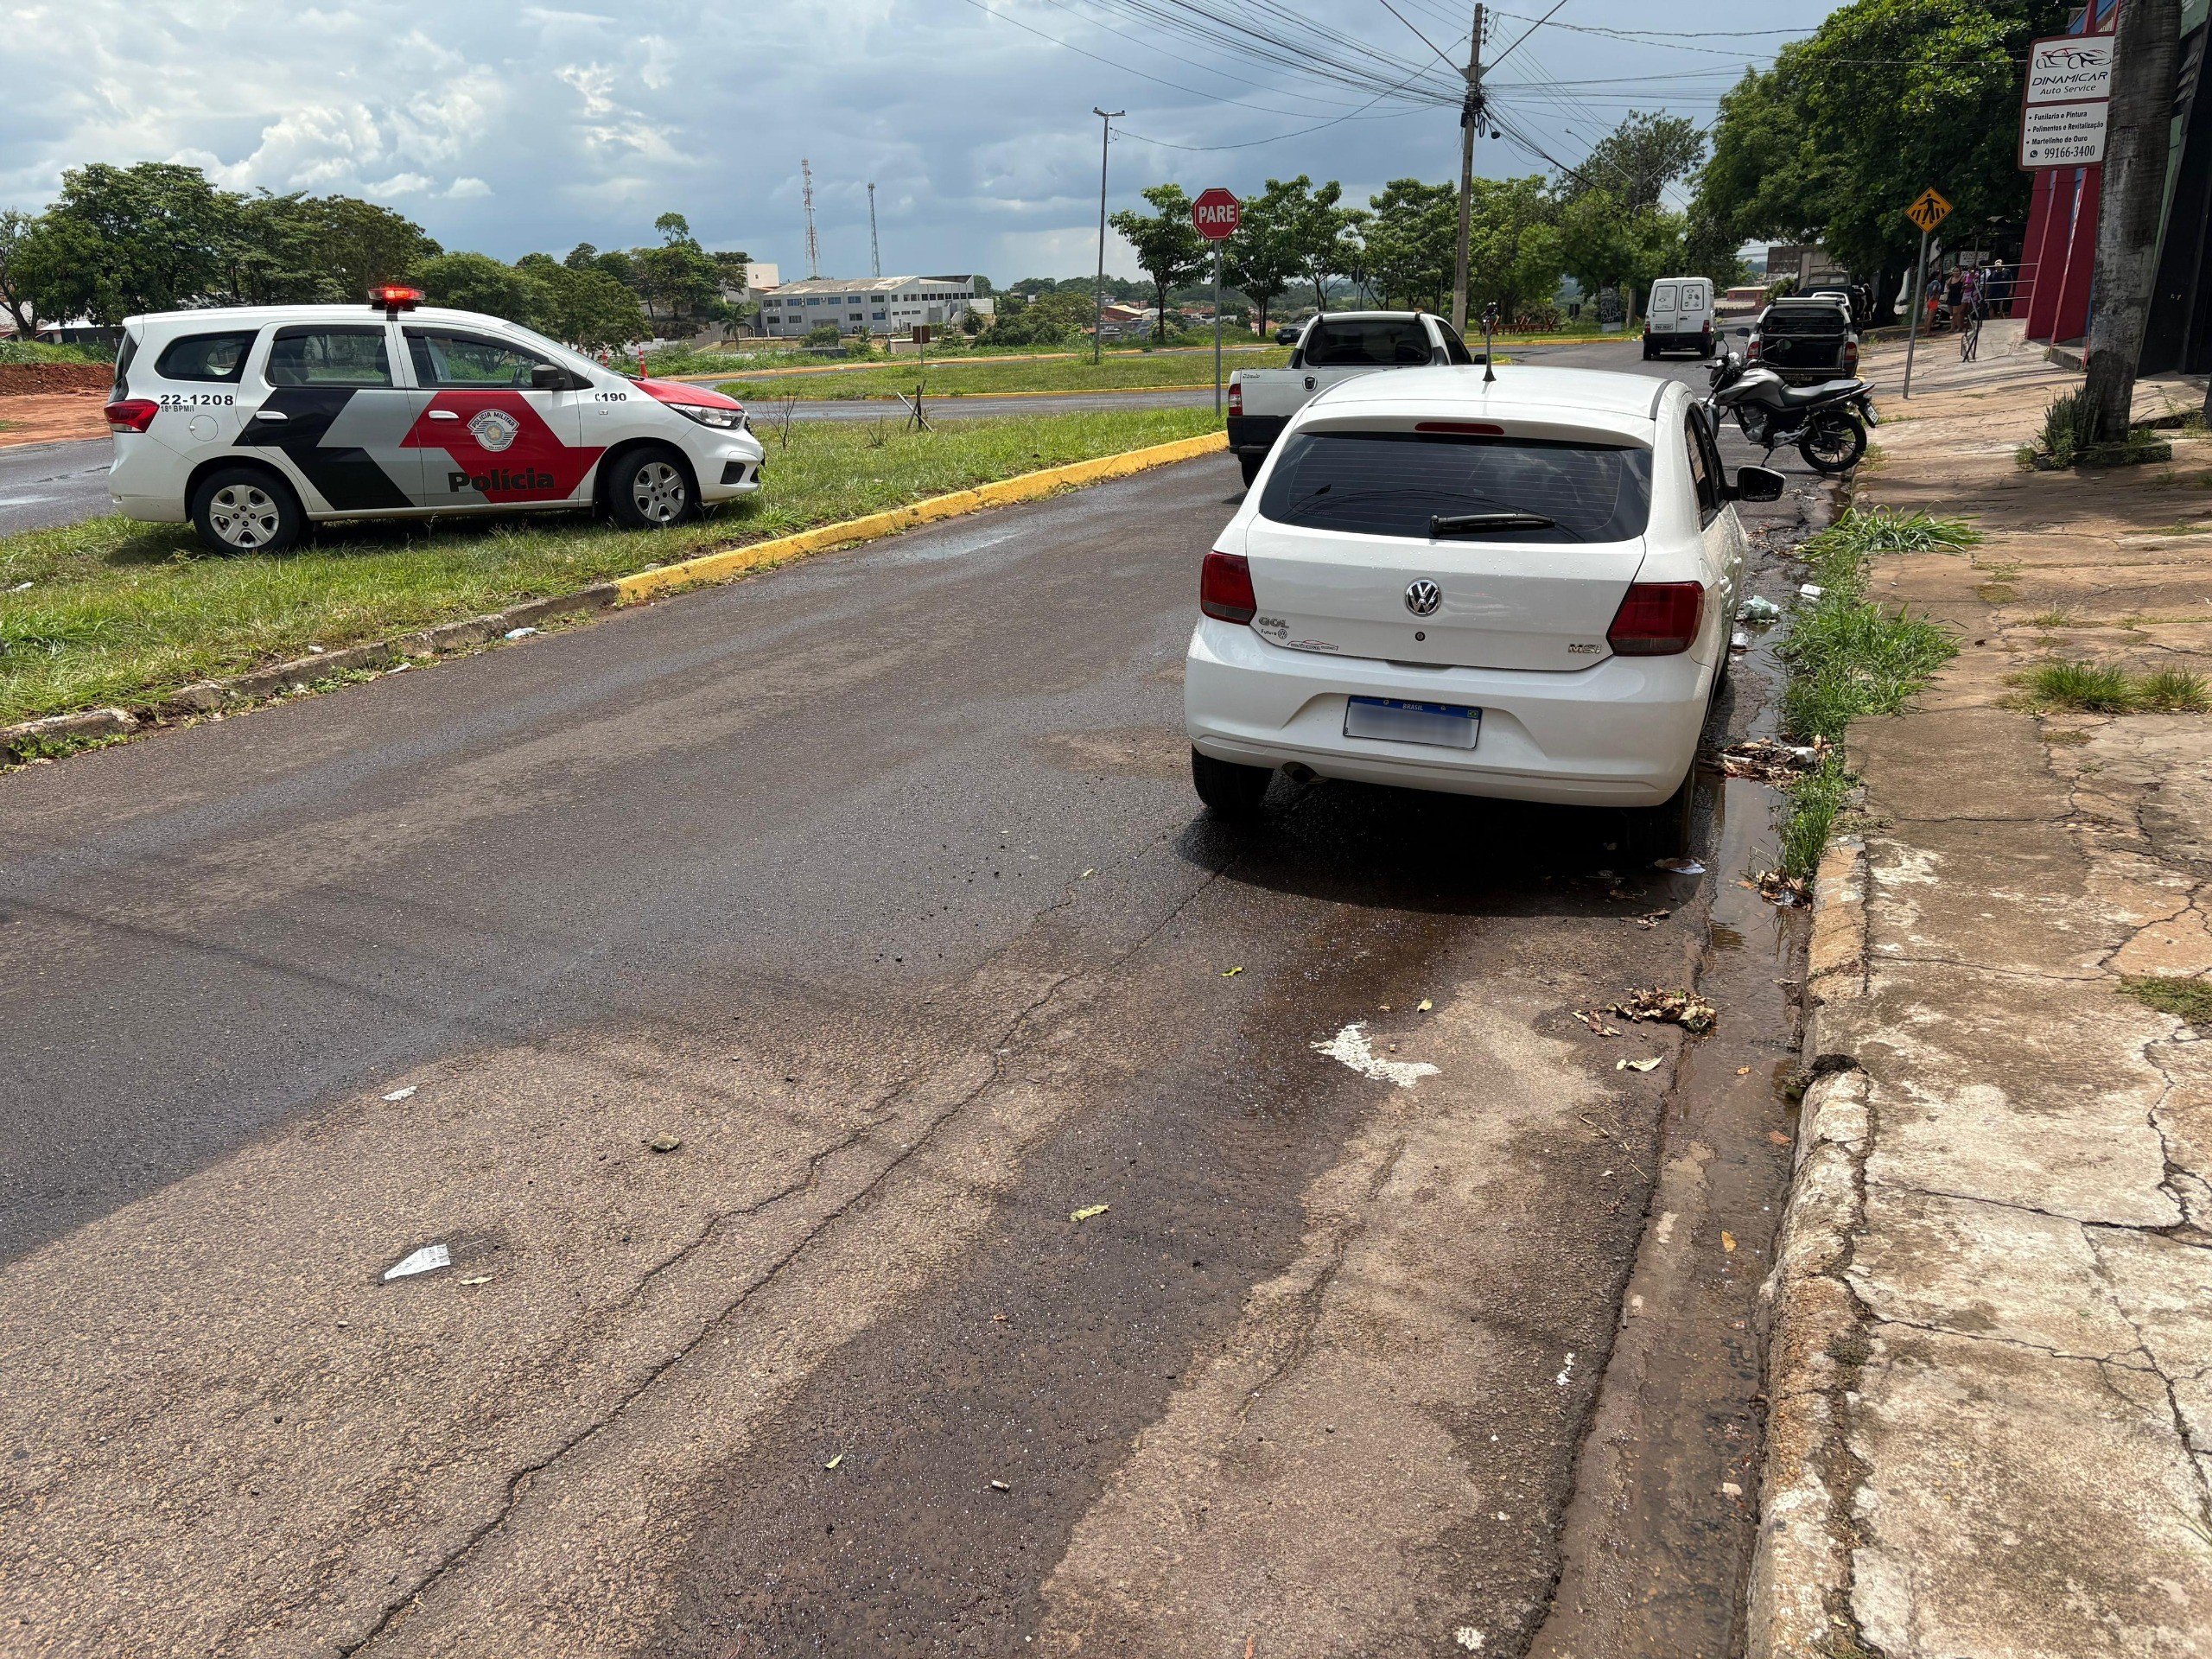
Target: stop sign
(1215, 214)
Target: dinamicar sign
(2064, 104)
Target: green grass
(35, 351)
(2089, 688)
(2185, 999)
(125, 613)
(2069, 438)
(1849, 657)
(953, 379)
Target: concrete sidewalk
(1990, 1352)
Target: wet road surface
(45, 484)
(876, 886)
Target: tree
(120, 240)
(588, 307)
(1602, 244)
(1168, 247)
(1261, 260)
(679, 275)
(14, 227)
(2134, 193)
(1323, 234)
(1515, 253)
(476, 281)
(1412, 241)
(1055, 318)
(364, 245)
(1638, 160)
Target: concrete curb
(737, 561)
(25, 741)
(1813, 1327)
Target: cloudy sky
(508, 127)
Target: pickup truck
(1805, 341)
(1334, 347)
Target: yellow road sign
(1929, 210)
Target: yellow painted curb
(754, 555)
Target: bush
(823, 333)
(2069, 438)
(2103, 689)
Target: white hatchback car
(251, 422)
(1518, 586)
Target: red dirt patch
(52, 418)
(17, 379)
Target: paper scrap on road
(1088, 1212)
(1636, 1065)
(429, 1259)
(402, 1094)
(480, 1279)
(1756, 609)
(835, 1461)
(517, 633)
(1811, 590)
(1468, 1635)
(1426, 1005)
(1351, 1046)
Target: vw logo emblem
(1423, 597)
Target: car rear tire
(650, 489)
(1668, 830)
(246, 510)
(1249, 466)
(1230, 791)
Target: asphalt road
(43, 484)
(876, 885)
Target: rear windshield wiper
(1464, 523)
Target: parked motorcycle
(1828, 422)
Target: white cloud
(467, 190)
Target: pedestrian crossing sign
(1929, 210)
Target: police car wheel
(244, 509)
(650, 491)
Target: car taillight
(1225, 588)
(1850, 354)
(131, 414)
(1236, 399)
(1752, 351)
(1656, 619)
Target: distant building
(870, 305)
(1811, 267)
(761, 276)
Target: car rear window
(1374, 343)
(206, 357)
(1806, 320)
(1392, 483)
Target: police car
(252, 422)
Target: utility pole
(806, 198)
(1098, 287)
(1471, 118)
(2145, 56)
(874, 249)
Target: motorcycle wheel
(1834, 441)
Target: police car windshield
(573, 359)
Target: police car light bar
(391, 299)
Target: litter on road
(1771, 762)
(1756, 609)
(1426, 1006)
(664, 1143)
(1351, 1046)
(1636, 1065)
(1001, 1486)
(1468, 1635)
(517, 633)
(429, 1259)
(835, 1461)
(1811, 590)
(1679, 866)
(1232, 972)
(1668, 1007)
(1088, 1212)
(1779, 889)
(480, 1279)
(1596, 1021)
(402, 1094)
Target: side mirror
(547, 377)
(1758, 484)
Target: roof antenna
(1490, 326)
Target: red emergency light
(392, 298)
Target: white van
(1679, 317)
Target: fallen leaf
(1636, 1065)
(1426, 1005)
(1728, 1242)
(664, 1143)
(1591, 1018)
(1777, 1137)
(835, 1461)
(1088, 1212)
(1682, 1008)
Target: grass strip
(2189, 999)
(2087, 688)
(119, 612)
(1848, 658)
(953, 378)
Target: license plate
(1448, 724)
(1872, 419)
